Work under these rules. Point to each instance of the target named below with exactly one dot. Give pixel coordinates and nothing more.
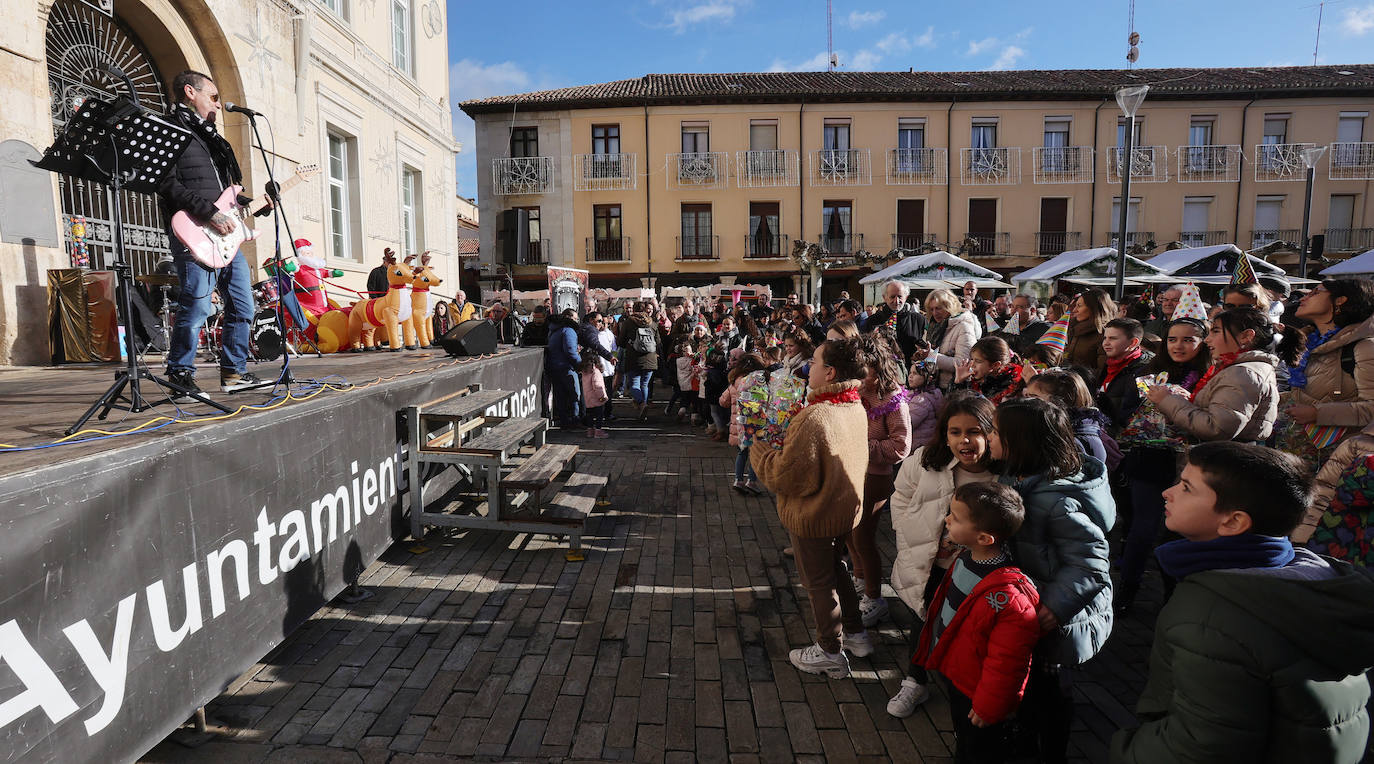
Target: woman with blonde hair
(953, 332)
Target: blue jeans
(743, 467)
(197, 283)
(639, 384)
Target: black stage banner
(138, 583)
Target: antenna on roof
(1132, 38)
(830, 60)
(1321, 7)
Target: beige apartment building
(685, 178)
(357, 87)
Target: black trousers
(975, 745)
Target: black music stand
(119, 145)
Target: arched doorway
(85, 49)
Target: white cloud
(694, 12)
(816, 63)
(1358, 21)
(858, 61)
(1008, 58)
(900, 42)
(927, 39)
(976, 47)
(863, 61)
(858, 19)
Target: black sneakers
(185, 381)
(229, 381)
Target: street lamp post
(1310, 156)
(1129, 99)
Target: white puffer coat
(920, 500)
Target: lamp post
(1129, 99)
(1310, 156)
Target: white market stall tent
(934, 270)
(1094, 267)
(1361, 265)
(1213, 265)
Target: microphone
(231, 106)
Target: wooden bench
(454, 417)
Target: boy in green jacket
(1261, 653)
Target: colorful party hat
(1190, 305)
(991, 324)
(1244, 273)
(1014, 325)
(1057, 336)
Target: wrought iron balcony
(1133, 239)
(1352, 161)
(990, 244)
(605, 172)
(1263, 236)
(843, 245)
(1056, 242)
(1202, 238)
(512, 176)
(704, 169)
(990, 167)
(1349, 239)
(917, 167)
(537, 253)
(766, 169)
(1209, 164)
(841, 167)
(1280, 161)
(912, 240)
(765, 247)
(608, 250)
(1149, 164)
(1062, 164)
(698, 247)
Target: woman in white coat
(958, 330)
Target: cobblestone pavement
(669, 643)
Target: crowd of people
(1002, 448)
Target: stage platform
(144, 572)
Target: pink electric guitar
(213, 249)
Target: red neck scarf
(1115, 365)
(1222, 361)
(838, 396)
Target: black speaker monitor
(472, 337)
(1318, 245)
(513, 237)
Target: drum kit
(264, 340)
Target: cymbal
(157, 279)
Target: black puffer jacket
(195, 182)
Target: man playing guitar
(203, 172)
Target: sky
(500, 48)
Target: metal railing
(841, 167)
(990, 167)
(843, 245)
(1149, 164)
(990, 244)
(1351, 161)
(523, 175)
(1062, 164)
(538, 252)
(765, 246)
(1202, 238)
(917, 167)
(1056, 242)
(1349, 239)
(605, 172)
(1280, 161)
(704, 169)
(1263, 236)
(1133, 238)
(912, 240)
(608, 250)
(1209, 164)
(767, 168)
(698, 247)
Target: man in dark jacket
(561, 358)
(377, 285)
(201, 174)
(1029, 327)
(638, 338)
(908, 322)
(1117, 395)
(536, 332)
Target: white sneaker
(814, 660)
(911, 694)
(861, 644)
(873, 609)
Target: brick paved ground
(669, 643)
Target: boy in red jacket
(982, 624)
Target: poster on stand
(568, 289)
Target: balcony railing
(608, 250)
(1280, 161)
(765, 247)
(1055, 242)
(917, 167)
(1149, 164)
(1352, 161)
(1349, 239)
(841, 167)
(1263, 236)
(512, 176)
(843, 245)
(912, 240)
(990, 167)
(766, 169)
(705, 169)
(1133, 238)
(1062, 164)
(698, 247)
(990, 244)
(1209, 164)
(1202, 238)
(605, 172)
(537, 253)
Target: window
(536, 249)
(837, 229)
(410, 211)
(1199, 137)
(606, 239)
(605, 139)
(911, 133)
(835, 135)
(1132, 215)
(911, 224)
(983, 140)
(1350, 129)
(1268, 211)
(696, 232)
(340, 201)
(1339, 223)
(696, 138)
(1055, 157)
(402, 42)
(764, 239)
(1275, 132)
(524, 142)
(338, 7)
(763, 135)
(1137, 136)
(1197, 214)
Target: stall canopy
(1095, 266)
(1212, 265)
(1359, 265)
(941, 267)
